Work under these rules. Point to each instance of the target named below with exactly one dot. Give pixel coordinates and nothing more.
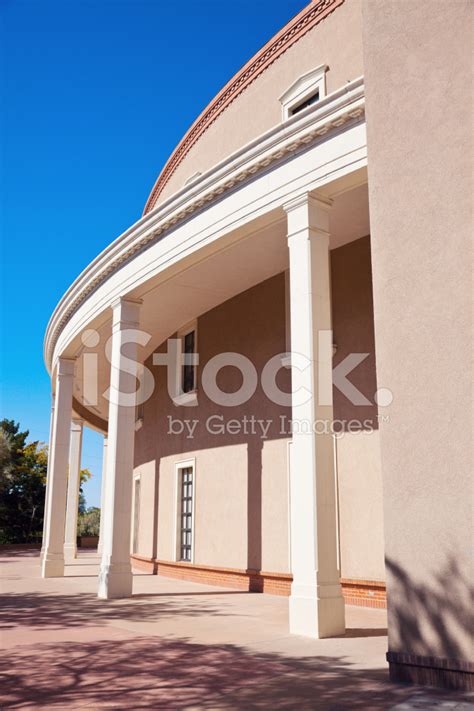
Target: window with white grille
(186, 500)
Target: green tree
(23, 472)
(5, 453)
(89, 522)
(85, 476)
(23, 469)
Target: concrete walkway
(179, 645)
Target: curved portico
(256, 241)
(263, 212)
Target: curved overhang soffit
(93, 420)
(294, 30)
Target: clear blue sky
(95, 94)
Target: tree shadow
(52, 611)
(150, 672)
(160, 672)
(430, 619)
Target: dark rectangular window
(308, 102)
(189, 370)
(186, 526)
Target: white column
(73, 485)
(46, 493)
(52, 565)
(102, 497)
(316, 602)
(115, 576)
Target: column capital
(65, 366)
(308, 213)
(308, 199)
(125, 312)
(76, 424)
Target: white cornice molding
(304, 198)
(342, 108)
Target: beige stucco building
(309, 241)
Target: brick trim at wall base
(140, 562)
(365, 593)
(431, 671)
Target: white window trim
(186, 399)
(139, 409)
(190, 398)
(136, 477)
(302, 89)
(184, 464)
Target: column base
(115, 581)
(317, 611)
(70, 552)
(52, 565)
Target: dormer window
(307, 102)
(305, 91)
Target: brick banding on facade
(364, 593)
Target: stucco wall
(148, 508)
(360, 506)
(336, 41)
(242, 481)
(358, 453)
(220, 526)
(418, 92)
(233, 472)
